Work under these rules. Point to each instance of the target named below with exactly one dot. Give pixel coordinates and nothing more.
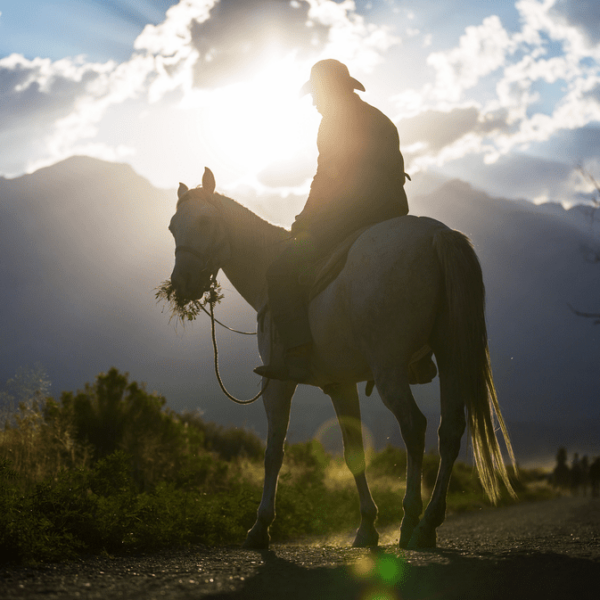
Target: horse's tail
(465, 303)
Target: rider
(359, 181)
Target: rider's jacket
(360, 173)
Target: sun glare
(249, 125)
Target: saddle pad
(329, 266)
(323, 271)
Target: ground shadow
(446, 575)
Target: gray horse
(408, 284)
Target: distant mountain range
(85, 242)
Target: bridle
(212, 270)
(209, 265)
(189, 250)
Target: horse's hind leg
(395, 392)
(347, 408)
(277, 401)
(450, 432)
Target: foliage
(111, 468)
(186, 310)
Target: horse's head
(201, 244)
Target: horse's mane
(241, 219)
(241, 214)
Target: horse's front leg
(347, 408)
(277, 401)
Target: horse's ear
(208, 181)
(183, 189)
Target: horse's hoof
(257, 541)
(366, 539)
(423, 538)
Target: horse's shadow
(437, 575)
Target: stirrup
(296, 368)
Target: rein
(212, 301)
(216, 354)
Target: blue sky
(502, 94)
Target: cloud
(593, 93)
(53, 109)
(485, 98)
(41, 89)
(481, 50)
(437, 129)
(39, 98)
(210, 43)
(50, 108)
(582, 14)
(241, 35)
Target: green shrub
(389, 462)
(111, 468)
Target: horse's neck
(254, 245)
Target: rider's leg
(289, 311)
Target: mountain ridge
(88, 243)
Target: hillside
(85, 242)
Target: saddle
(324, 271)
(329, 266)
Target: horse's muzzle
(189, 282)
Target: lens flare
(331, 439)
(382, 573)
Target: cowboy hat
(330, 71)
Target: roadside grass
(110, 469)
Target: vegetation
(186, 310)
(112, 469)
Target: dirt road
(548, 550)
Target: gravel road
(547, 550)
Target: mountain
(85, 242)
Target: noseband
(189, 250)
(208, 263)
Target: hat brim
(307, 88)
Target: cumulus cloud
(437, 129)
(481, 51)
(209, 43)
(49, 107)
(582, 14)
(484, 99)
(39, 98)
(55, 108)
(41, 89)
(241, 35)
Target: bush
(111, 468)
(389, 462)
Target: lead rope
(216, 353)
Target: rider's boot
(296, 366)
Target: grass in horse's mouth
(186, 310)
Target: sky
(504, 95)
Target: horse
(408, 284)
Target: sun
(251, 124)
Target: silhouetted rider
(359, 181)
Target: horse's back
(398, 235)
(388, 292)
(399, 252)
